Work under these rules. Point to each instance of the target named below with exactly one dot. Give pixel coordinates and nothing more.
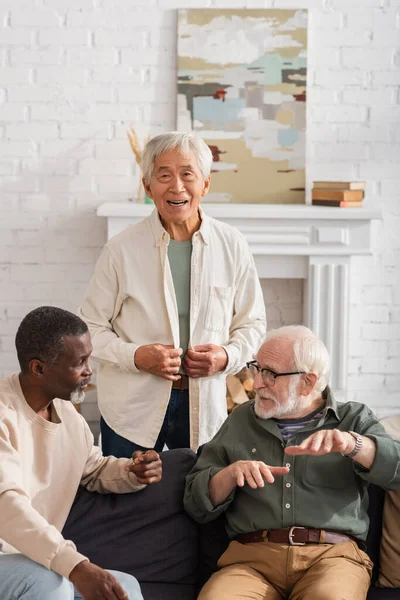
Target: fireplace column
(326, 311)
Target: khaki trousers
(267, 571)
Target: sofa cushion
(213, 543)
(389, 571)
(382, 594)
(375, 513)
(168, 591)
(146, 533)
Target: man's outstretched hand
(94, 583)
(324, 442)
(253, 472)
(147, 466)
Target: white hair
(309, 353)
(185, 142)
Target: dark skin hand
(147, 466)
(94, 583)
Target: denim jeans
(24, 579)
(174, 432)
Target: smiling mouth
(177, 202)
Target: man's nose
(258, 382)
(177, 185)
(88, 370)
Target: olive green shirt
(179, 256)
(324, 492)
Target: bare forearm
(220, 486)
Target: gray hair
(185, 142)
(309, 352)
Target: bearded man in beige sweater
(46, 452)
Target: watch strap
(357, 446)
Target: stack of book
(345, 194)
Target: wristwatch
(357, 446)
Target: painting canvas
(242, 77)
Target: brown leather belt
(294, 536)
(181, 384)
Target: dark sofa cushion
(146, 533)
(376, 497)
(383, 594)
(168, 591)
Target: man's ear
(206, 187)
(37, 367)
(308, 382)
(147, 188)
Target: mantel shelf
(251, 211)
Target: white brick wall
(76, 73)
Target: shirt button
(288, 485)
(287, 505)
(288, 465)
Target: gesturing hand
(159, 359)
(147, 466)
(253, 472)
(324, 442)
(205, 360)
(94, 583)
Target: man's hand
(94, 583)
(159, 359)
(205, 360)
(147, 466)
(324, 442)
(252, 472)
(334, 440)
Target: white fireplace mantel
(313, 243)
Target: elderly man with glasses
(291, 470)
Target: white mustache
(263, 395)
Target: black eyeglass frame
(254, 363)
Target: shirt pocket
(328, 471)
(219, 308)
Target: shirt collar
(330, 403)
(161, 234)
(330, 406)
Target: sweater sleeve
(106, 474)
(101, 305)
(21, 526)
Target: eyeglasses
(268, 376)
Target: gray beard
(278, 410)
(77, 396)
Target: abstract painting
(242, 77)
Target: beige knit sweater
(42, 463)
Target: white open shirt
(131, 302)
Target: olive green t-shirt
(180, 256)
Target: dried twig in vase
(137, 152)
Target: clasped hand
(165, 361)
(147, 466)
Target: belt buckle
(291, 534)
